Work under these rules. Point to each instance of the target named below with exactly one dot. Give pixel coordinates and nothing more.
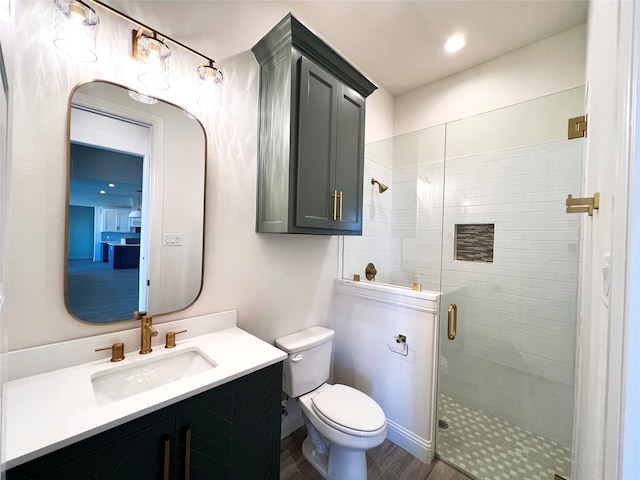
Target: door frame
(602, 429)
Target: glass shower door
(509, 283)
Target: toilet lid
(343, 406)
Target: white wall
(278, 283)
(379, 116)
(549, 66)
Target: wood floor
(98, 293)
(386, 462)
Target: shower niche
(311, 135)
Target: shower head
(381, 186)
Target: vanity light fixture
(153, 54)
(455, 43)
(210, 81)
(76, 29)
(153, 57)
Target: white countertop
(51, 410)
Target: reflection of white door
(107, 131)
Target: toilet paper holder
(401, 339)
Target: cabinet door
(144, 455)
(110, 220)
(315, 200)
(256, 429)
(138, 455)
(204, 440)
(350, 159)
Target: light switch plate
(172, 239)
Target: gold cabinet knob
(117, 351)
(171, 339)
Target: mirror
(135, 218)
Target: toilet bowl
(342, 422)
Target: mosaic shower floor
(490, 448)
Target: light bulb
(76, 28)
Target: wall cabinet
(311, 135)
(230, 432)
(115, 220)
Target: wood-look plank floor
(386, 462)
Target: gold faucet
(146, 331)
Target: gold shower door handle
(452, 321)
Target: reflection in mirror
(135, 219)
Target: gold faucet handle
(138, 315)
(171, 339)
(117, 351)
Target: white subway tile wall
(513, 356)
(374, 246)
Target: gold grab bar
(452, 314)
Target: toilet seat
(349, 410)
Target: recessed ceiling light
(102, 192)
(455, 43)
(111, 185)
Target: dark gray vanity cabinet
(311, 135)
(231, 432)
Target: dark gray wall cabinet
(231, 432)
(311, 135)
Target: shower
(476, 219)
(381, 186)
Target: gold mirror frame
(168, 272)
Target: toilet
(342, 422)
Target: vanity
(208, 408)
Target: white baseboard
(290, 424)
(409, 441)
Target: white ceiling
(398, 44)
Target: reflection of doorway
(104, 240)
(109, 169)
(81, 228)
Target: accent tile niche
(474, 242)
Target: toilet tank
(308, 360)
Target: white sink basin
(121, 382)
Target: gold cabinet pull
(335, 204)
(187, 454)
(340, 195)
(452, 321)
(167, 458)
